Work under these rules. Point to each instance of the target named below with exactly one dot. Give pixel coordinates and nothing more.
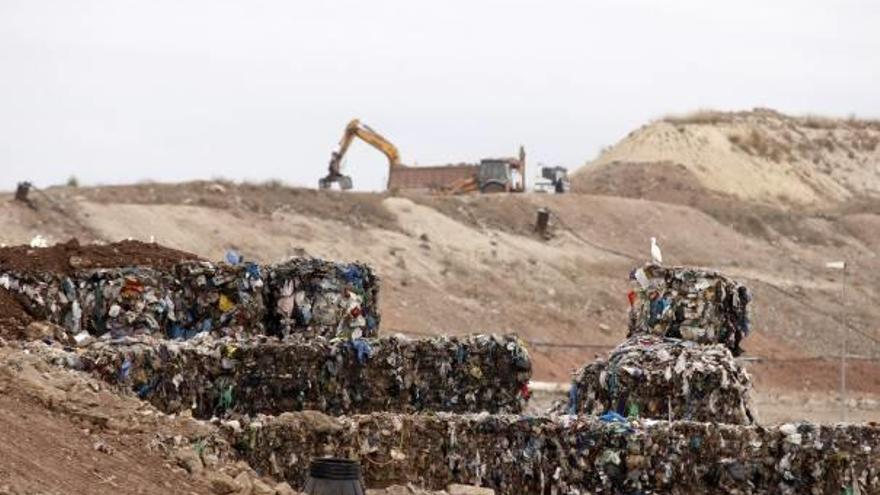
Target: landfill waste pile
(132, 288)
(654, 377)
(231, 377)
(323, 298)
(688, 303)
(570, 454)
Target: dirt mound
(673, 183)
(66, 258)
(660, 181)
(761, 156)
(13, 314)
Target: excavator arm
(357, 129)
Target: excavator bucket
(344, 182)
(334, 175)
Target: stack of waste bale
(654, 377)
(231, 377)
(689, 303)
(121, 301)
(183, 297)
(190, 298)
(679, 360)
(566, 454)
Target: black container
(330, 476)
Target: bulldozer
(490, 175)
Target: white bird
(656, 255)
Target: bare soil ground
(66, 257)
(66, 434)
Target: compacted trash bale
(689, 303)
(540, 455)
(654, 377)
(229, 377)
(219, 298)
(133, 288)
(317, 297)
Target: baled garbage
(517, 455)
(316, 297)
(689, 303)
(653, 377)
(174, 295)
(232, 377)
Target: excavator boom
(357, 129)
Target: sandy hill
(761, 156)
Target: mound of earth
(761, 156)
(70, 256)
(13, 314)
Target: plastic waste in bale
(689, 303)
(332, 476)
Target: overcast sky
(118, 91)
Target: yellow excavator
(356, 128)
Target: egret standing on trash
(656, 255)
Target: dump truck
(488, 176)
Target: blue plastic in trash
(612, 417)
(253, 270)
(232, 257)
(363, 349)
(177, 332)
(124, 369)
(572, 399)
(352, 274)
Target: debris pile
(329, 299)
(653, 377)
(566, 454)
(13, 316)
(233, 377)
(688, 303)
(132, 288)
(215, 298)
(70, 257)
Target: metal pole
(843, 351)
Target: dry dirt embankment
(762, 156)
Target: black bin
(331, 476)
